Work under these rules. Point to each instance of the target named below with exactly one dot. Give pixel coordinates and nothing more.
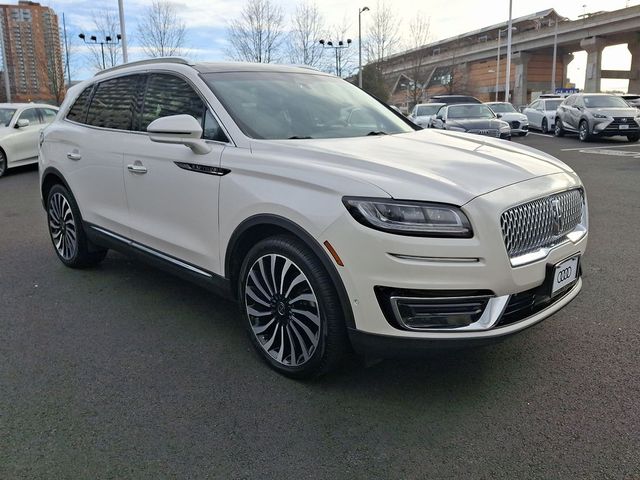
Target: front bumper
(377, 259)
(610, 127)
(519, 127)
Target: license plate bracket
(564, 274)
(624, 127)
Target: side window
(47, 114)
(535, 104)
(212, 130)
(78, 111)
(170, 95)
(30, 114)
(114, 103)
(570, 101)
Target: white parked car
(20, 127)
(424, 113)
(518, 122)
(542, 113)
(249, 179)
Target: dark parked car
(453, 99)
(597, 115)
(472, 118)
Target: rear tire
(558, 131)
(545, 126)
(583, 131)
(4, 164)
(67, 234)
(633, 138)
(291, 308)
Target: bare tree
(307, 29)
(340, 61)
(161, 32)
(383, 34)
(257, 35)
(106, 24)
(419, 32)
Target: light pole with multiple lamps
(500, 32)
(360, 11)
(107, 41)
(341, 44)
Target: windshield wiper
(295, 137)
(377, 133)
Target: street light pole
(508, 80)
(340, 46)
(125, 55)
(363, 9)
(107, 41)
(498, 66)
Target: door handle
(137, 168)
(74, 156)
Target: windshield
(470, 111)
(6, 114)
(428, 109)
(274, 105)
(552, 104)
(502, 107)
(598, 101)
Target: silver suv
(597, 115)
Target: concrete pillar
(634, 73)
(567, 58)
(521, 62)
(593, 46)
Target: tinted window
(428, 109)
(47, 114)
(552, 104)
(78, 111)
(114, 103)
(30, 114)
(169, 95)
(604, 101)
(470, 111)
(535, 104)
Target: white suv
(334, 221)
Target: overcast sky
(206, 21)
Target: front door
(173, 192)
(25, 139)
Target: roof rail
(148, 61)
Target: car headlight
(405, 217)
(456, 129)
(599, 115)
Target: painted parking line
(599, 147)
(613, 153)
(540, 134)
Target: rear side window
(170, 95)
(114, 103)
(78, 111)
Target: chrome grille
(488, 132)
(541, 223)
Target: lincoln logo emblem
(557, 216)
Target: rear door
(173, 192)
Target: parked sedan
(542, 113)
(472, 118)
(20, 126)
(597, 115)
(518, 121)
(423, 113)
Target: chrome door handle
(74, 156)
(136, 168)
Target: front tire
(633, 138)
(291, 308)
(65, 229)
(4, 164)
(583, 131)
(558, 131)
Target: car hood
(615, 112)
(426, 165)
(513, 116)
(475, 123)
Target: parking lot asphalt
(123, 371)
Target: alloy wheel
(3, 164)
(545, 128)
(283, 310)
(62, 226)
(583, 131)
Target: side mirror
(179, 130)
(23, 122)
(439, 117)
(499, 115)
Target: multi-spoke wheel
(558, 129)
(583, 131)
(292, 310)
(65, 229)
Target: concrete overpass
(472, 57)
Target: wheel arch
(50, 177)
(259, 227)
